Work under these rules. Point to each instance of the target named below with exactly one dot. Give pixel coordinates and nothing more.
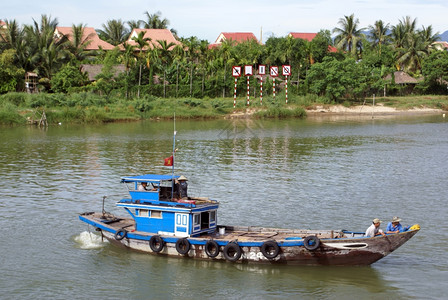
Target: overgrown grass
(85, 107)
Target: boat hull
(335, 247)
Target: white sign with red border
(261, 70)
(274, 71)
(236, 71)
(248, 70)
(286, 69)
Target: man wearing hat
(374, 229)
(394, 226)
(183, 186)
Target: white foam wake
(89, 240)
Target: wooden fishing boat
(164, 223)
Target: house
(93, 70)
(89, 35)
(440, 46)
(2, 24)
(154, 35)
(303, 35)
(236, 37)
(309, 37)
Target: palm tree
(165, 57)
(114, 32)
(429, 37)
(78, 43)
(142, 42)
(379, 34)
(133, 24)
(13, 37)
(128, 59)
(154, 21)
(192, 53)
(225, 52)
(348, 35)
(47, 53)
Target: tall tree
(348, 34)
(78, 43)
(165, 57)
(142, 43)
(114, 32)
(379, 34)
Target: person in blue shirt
(394, 226)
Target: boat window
(143, 213)
(205, 222)
(156, 214)
(197, 219)
(213, 216)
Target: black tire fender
(183, 246)
(156, 243)
(311, 242)
(270, 249)
(211, 248)
(232, 251)
(120, 234)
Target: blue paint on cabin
(157, 210)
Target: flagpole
(174, 152)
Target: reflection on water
(316, 173)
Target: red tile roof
(155, 35)
(237, 37)
(303, 35)
(89, 34)
(2, 23)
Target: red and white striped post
(261, 73)
(236, 72)
(248, 97)
(273, 87)
(286, 70)
(234, 94)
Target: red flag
(169, 161)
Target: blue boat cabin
(157, 207)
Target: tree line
(357, 69)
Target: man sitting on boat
(182, 187)
(394, 226)
(142, 187)
(374, 229)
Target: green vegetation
(193, 79)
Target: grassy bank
(21, 108)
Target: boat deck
(240, 233)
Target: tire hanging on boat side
(270, 249)
(211, 248)
(232, 251)
(183, 246)
(156, 243)
(311, 242)
(120, 234)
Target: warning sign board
(286, 69)
(261, 70)
(274, 71)
(236, 71)
(248, 70)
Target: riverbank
(86, 108)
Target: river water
(319, 173)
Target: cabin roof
(148, 178)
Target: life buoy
(211, 248)
(156, 243)
(232, 251)
(270, 249)
(183, 246)
(120, 234)
(311, 242)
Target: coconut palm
(114, 32)
(155, 21)
(78, 43)
(348, 35)
(47, 53)
(379, 34)
(165, 57)
(142, 42)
